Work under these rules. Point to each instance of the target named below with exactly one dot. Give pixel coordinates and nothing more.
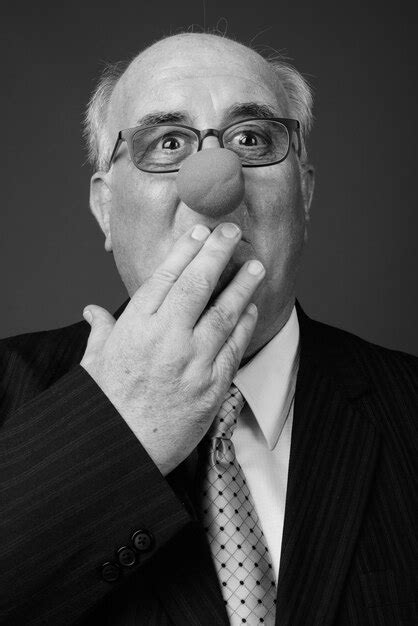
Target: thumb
(101, 322)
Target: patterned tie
(241, 558)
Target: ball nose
(211, 182)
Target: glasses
(164, 147)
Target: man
(108, 435)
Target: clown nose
(211, 182)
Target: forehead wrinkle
(164, 56)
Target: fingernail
(255, 267)
(252, 309)
(87, 316)
(200, 232)
(230, 230)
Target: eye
(248, 139)
(170, 142)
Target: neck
(267, 327)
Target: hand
(164, 365)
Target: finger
(153, 292)
(101, 322)
(191, 292)
(229, 357)
(218, 322)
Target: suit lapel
(332, 459)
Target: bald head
(209, 48)
(111, 106)
(175, 45)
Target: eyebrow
(236, 111)
(162, 117)
(250, 109)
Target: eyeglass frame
(127, 134)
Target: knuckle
(247, 323)
(228, 363)
(195, 384)
(195, 282)
(242, 286)
(164, 275)
(233, 351)
(221, 317)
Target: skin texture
(167, 363)
(141, 213)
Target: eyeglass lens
(164, 147)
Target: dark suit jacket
(75, 484)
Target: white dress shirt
(263, 433)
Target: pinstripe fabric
(75, 484)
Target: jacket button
(143, 540)
(126, 556)
(110, 572)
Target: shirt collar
(268, 380)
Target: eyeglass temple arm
(299, 136)
(116, 148)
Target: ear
(100, 204)
(308, 185)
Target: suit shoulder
(361, 366)
(365, 352)
(343, 339)
(31, 362)
(45, 342)
(382, 382)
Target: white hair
(299, 95)
(95, 120)
(296, 87)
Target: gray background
(359, 271)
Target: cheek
(141, 221)
(139, 198)
(276, 205)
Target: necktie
(232, 526)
